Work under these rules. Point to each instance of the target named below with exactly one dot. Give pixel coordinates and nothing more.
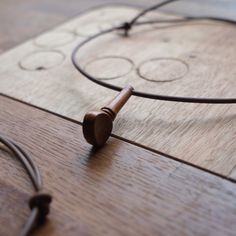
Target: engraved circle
(109, 67)
(54, 39)
(42, 60)
(162, 69)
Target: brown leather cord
(129, 25)
(38, 203)
(126, 27)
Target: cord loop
(126, 27)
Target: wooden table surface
(121, 189)
(23, 19)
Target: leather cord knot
(126, 26)
(41, 201)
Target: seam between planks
(123, 139)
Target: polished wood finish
(118, 102)
(97, 125)
(120, 189)
(40, 72)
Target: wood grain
(118, 190)
(200, 134)
(33, 17)
(24, 19)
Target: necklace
(126, 27)
(39, 203)
(97, 125)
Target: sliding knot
(41, 201)
(126, 26)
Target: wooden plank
(34, 17)
(118, 190)
(191, 53)
(45, 14)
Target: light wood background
(32, 17)
(119, 190)
(200, 55)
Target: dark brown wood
(120, 189)
(97, 125)
(118, 102)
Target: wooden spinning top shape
(97, 125)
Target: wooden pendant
(97, 125)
